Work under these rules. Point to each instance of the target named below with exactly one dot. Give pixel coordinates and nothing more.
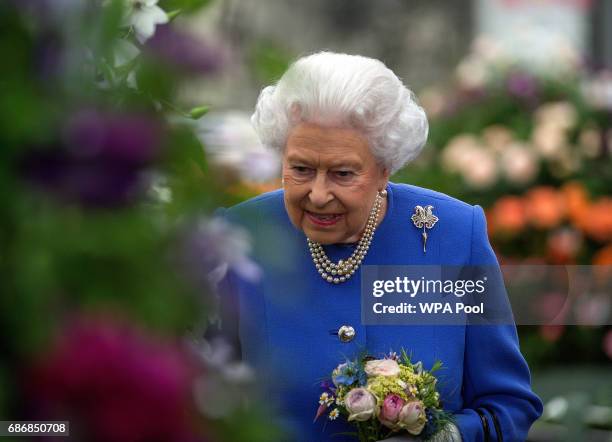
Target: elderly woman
(344, 124)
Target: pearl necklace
(345, 268)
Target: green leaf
(198, 112)
(436, 366)
(173, 14)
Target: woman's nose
(320, 192)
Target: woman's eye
(344, 173)
(301, 170)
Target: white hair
(340, 89)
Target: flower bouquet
(383, 397)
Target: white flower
(519, 163)
(480, 169)
(326, 399)
(143, 16)
(412, 417)
(382, 367)
(333, 415)
(361, 404)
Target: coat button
(346, 333)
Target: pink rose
(412, 417)
(360, 404)
(382, 367)
(390, 411)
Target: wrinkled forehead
(307, 139)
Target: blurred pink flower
(456, 153)
(497, 137)
(548, 139)
(114, 383)
(519, 164)
(551, 308)
(480, 168)
(593, 309)
(561, 114)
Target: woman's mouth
(323, 219)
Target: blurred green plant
(103, 181)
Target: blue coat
(287, 320)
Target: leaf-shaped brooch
(424, 218)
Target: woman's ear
(384, 179)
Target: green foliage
(268, 62)
(188, 6)
(64, 253)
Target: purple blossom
(115, 383)
(132, 139)
(86, 182)
(99, 160)
(522, 85)
(183, 52)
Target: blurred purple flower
(183, 52)
(89, 183)
(99, 160)
(213, 247)
(132, 139)
(522, 85)
(115, 384)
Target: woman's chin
(323, 237)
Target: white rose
(382, 367)
(360, 403)
(412, 417)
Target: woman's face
(330, 179)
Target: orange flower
(545, 207)
(598, 222)
(577, 203)
(603, 256)
(508, 215)
(563, 245)
(602, 263)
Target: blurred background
(124, 124)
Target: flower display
(532, 146)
